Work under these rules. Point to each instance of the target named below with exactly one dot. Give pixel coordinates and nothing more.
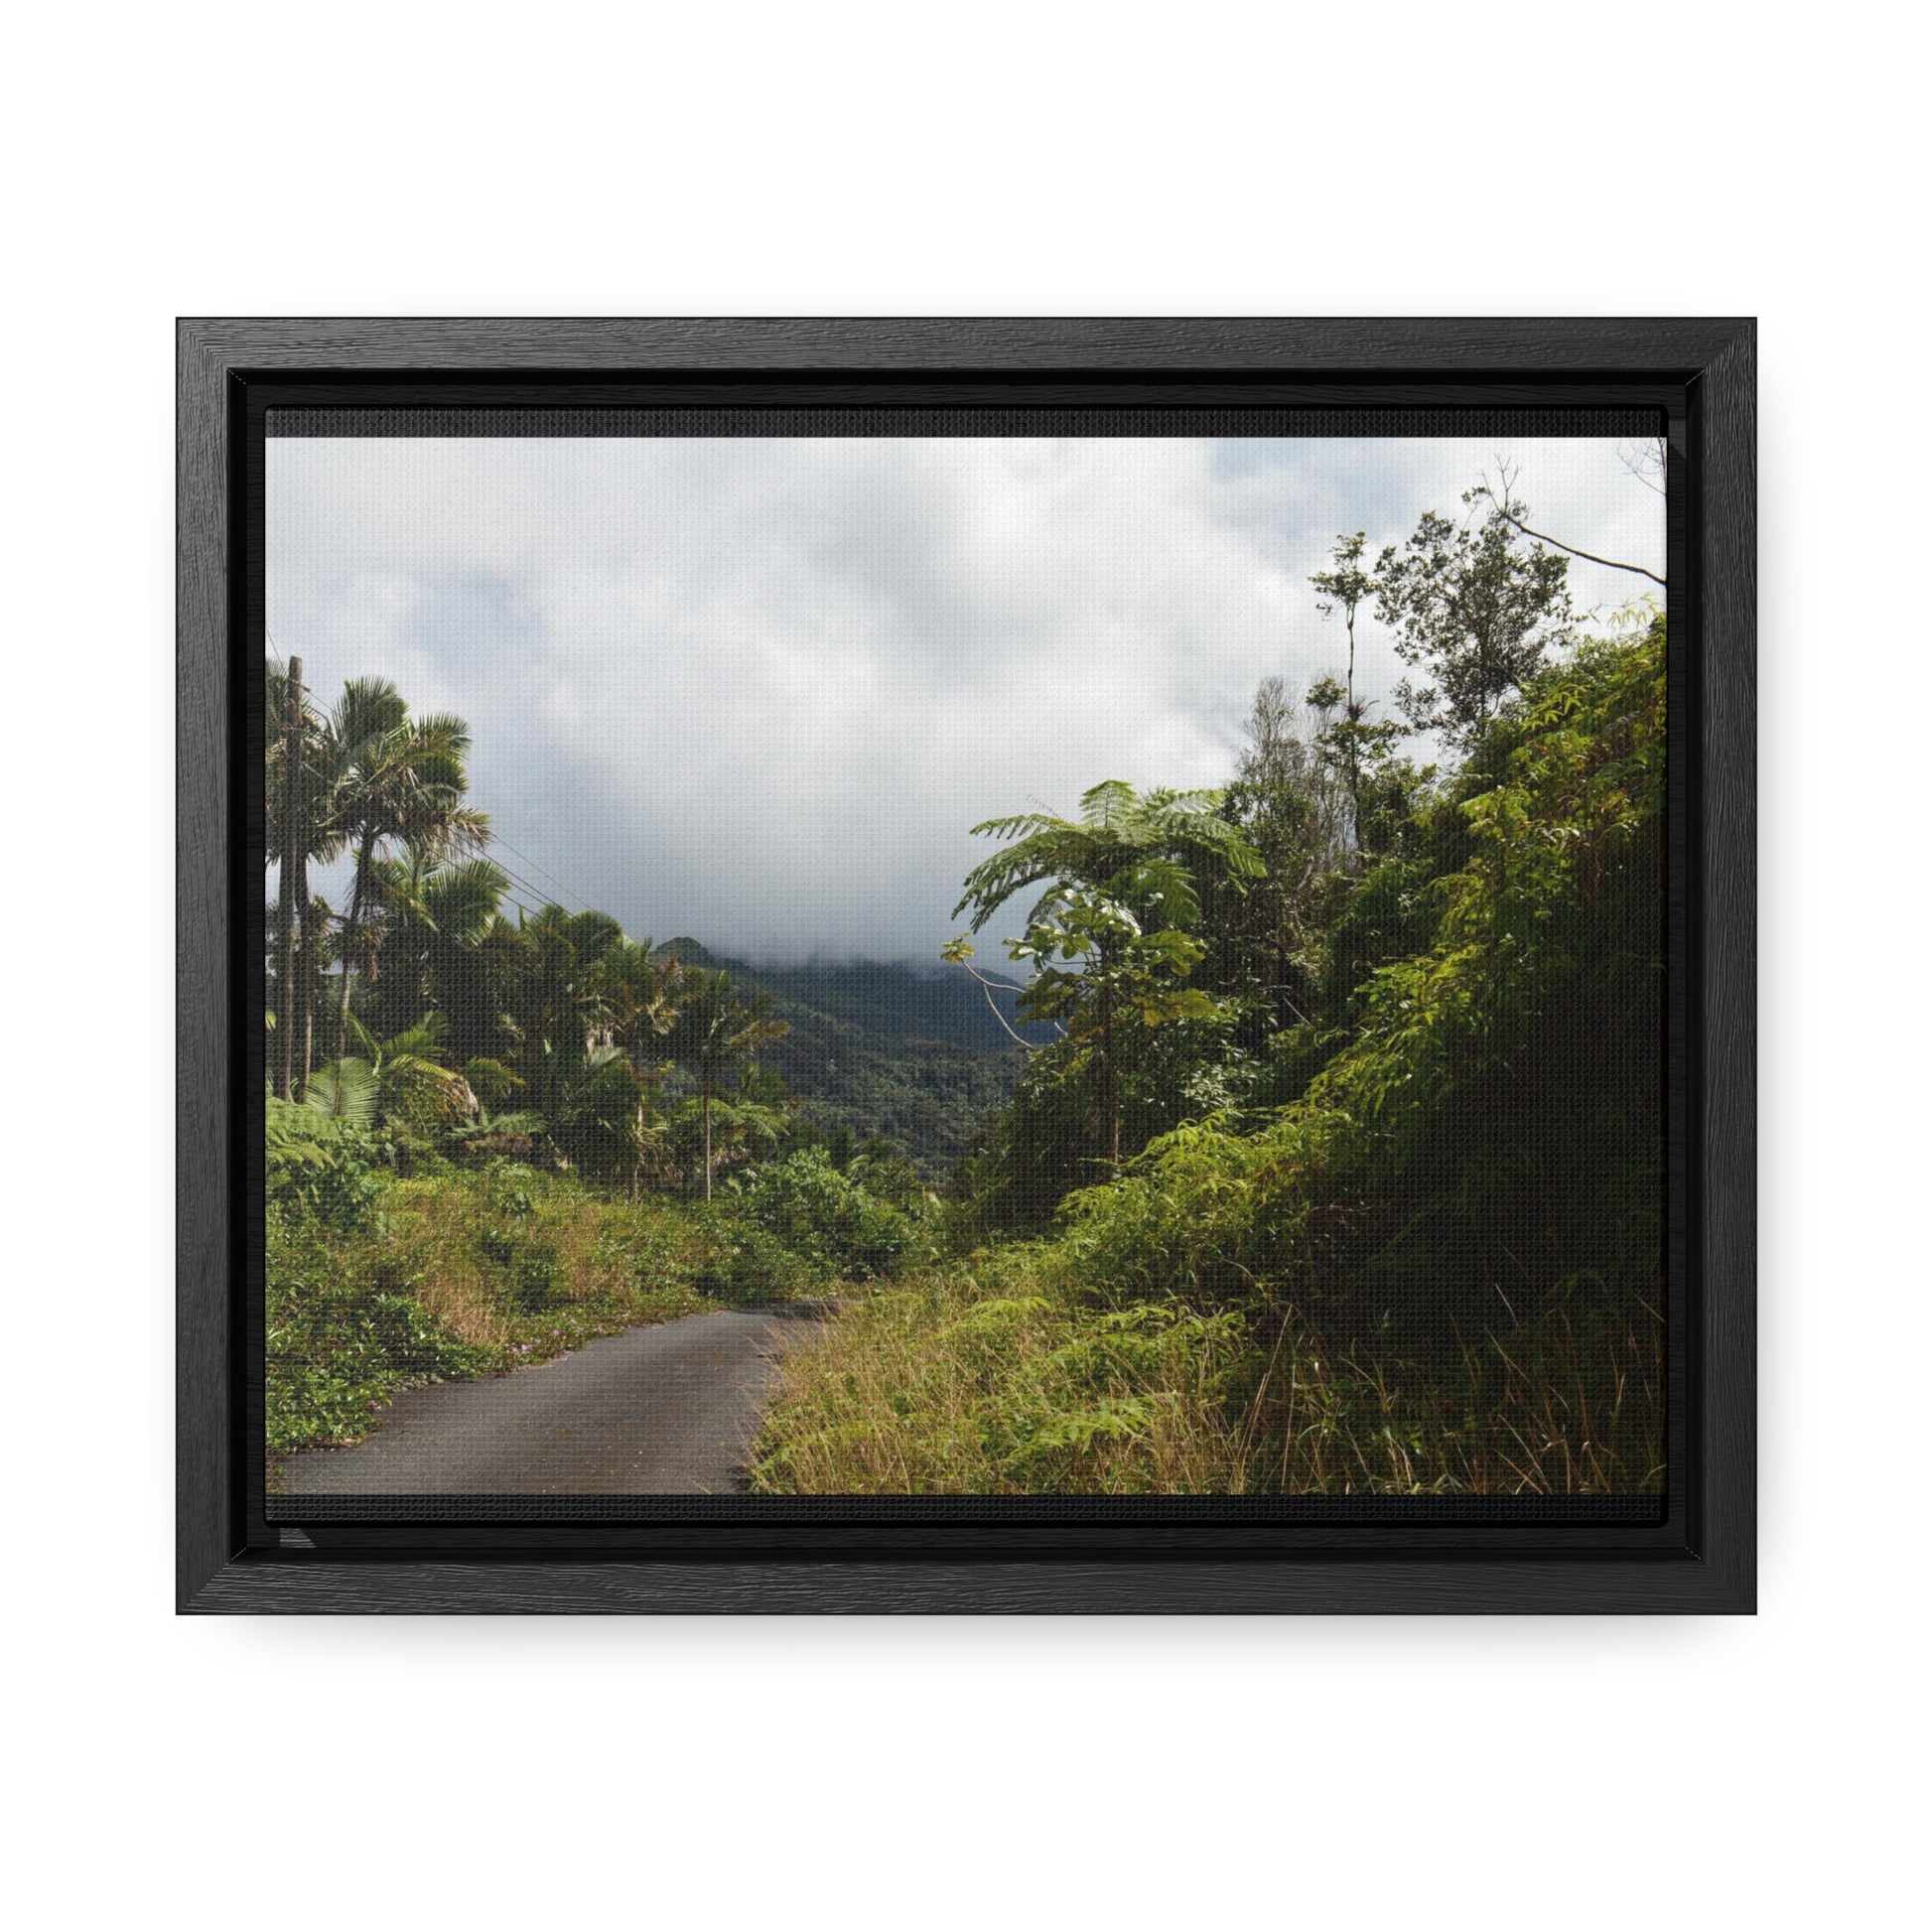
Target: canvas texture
(836, 965)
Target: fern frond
(1017, 823)
(1107, 806)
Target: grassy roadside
(978, 1378)
(995, 1376)
(467, 1274)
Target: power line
(497, 838)
(536, 893)
(529, 884)
(535, 890)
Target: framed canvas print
(1005, 966)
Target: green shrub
(497, 1245)
(510, 1187)
(828, 1218)
(322, 1170)
(344, 1332)
(747, 1263)
(534, 1273)
(530, 1265)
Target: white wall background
(1010, 160)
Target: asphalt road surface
(666, 1411)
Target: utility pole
(295, 879)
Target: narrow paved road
(671, 1410)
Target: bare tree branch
(987, 986)
(1638, 466)
(1588, 557)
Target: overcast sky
(756, 690)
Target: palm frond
(346, 1089)
(424, 1040)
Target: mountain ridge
(884, 1047)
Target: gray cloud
(757, 690)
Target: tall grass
(996, 1377)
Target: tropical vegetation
(1343, 1171)
(489, 1133)
(1308, 1140)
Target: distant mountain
(887, 1048)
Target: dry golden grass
(990, 1377)
(450, 1276)
(595, 1253)
(607, 1261)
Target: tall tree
(636, 991)
(1360, 751)
(301, 831)
(1475, 611)
(437, 915)
(555, 1002)
(1294, 809)
(1345, 588)
(636, 998)
(1098, 968)
(396, 779)
(284, 838)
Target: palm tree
(1345, 589)
(395, 779)
(748, 1117)
(437, 917)
(555, 1004)
(583, 1005)
(716, 1030)
(635, 993)
(294, 725)
(394, 1080)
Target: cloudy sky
(757, 690)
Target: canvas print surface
(934, 966)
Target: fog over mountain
(757, 690)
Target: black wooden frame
(1702, 372)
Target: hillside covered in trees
(878, 1049)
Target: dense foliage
(1487, 1132)
(841, 1220)
(1381, 1206)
